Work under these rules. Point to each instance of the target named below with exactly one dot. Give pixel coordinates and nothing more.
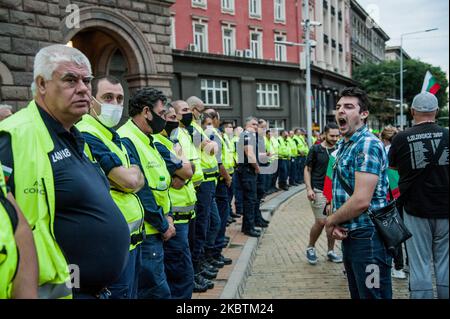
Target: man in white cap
(421, 156)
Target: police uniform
(205, 226)
(108, 151)
(54, 183)
(156, 200)
(284, 156)
(177, 255)
(247, 179)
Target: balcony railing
(340, 15)
(325, 38)
(340, 47)
(333, 10)
(333, 43)
(325, 4)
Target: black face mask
(170, 126)
(157, 124)
(186, 120)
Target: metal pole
(401, 82)
(308, 77)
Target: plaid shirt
(364, 152)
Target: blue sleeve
(107, 159)
(154, 214)
(172, 162)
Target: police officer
(247, 171)
(64, 196)
(223, 188)
(177, 255)
(284, 156)
(18, 276)
(293, 162)
(146, 109)
(184, 137)
(205, 192)
(124, 175)
(303, 150)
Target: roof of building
(397, 49)
(355, 6)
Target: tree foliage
(382, 81)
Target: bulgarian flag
(328, 185)
(430, 84)
(393, 183)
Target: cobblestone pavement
(280, 268)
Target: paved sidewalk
(274, 265)
(280, 269)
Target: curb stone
(236, 282)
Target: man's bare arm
(359, 202)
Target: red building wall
(183, 12)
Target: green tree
(382, 81)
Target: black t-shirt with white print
(425, 193)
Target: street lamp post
(401, 68)
(308, 44)
(393, 99)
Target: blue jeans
(223, 205)
(237, 191)
(178, 264)
(152, 278)
(205, 197)
(368, 265)
(247, 180)
(214, 226)
(283, 172)
(126, 286)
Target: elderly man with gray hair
(5, 111)
(65, 198)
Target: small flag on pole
(430, 84)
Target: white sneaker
(333, 257)
(399, 274)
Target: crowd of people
(99, 209)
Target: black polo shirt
(246, 139)
(89, 227)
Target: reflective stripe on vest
(182, 199)
(153, 166)
(128, 203)
(183, 209)
(31, 143)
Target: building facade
(368, 40)
(393, 54)
(128, 39)
(333, 38)
(228, 52)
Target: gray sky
(402, 16)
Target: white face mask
(110, 114)
(209, 127)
